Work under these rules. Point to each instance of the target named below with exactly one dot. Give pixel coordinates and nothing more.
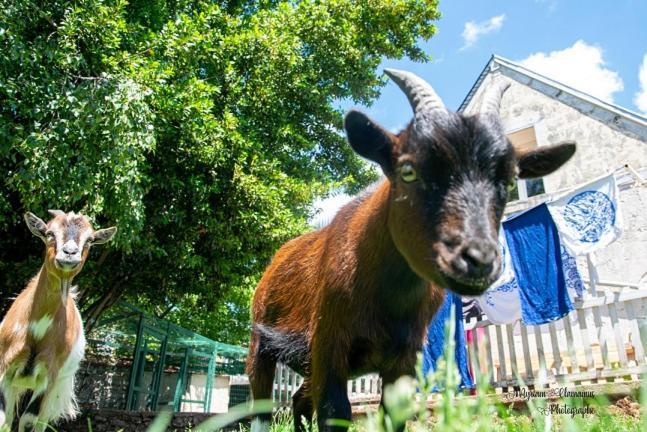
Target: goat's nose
(70, 249)
(476, 259)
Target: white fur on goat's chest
(77, 352)
(60, 400)
(58, 388)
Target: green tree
(202, 129)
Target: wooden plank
(279, 379)
(611, 298)
(586, 340)
(539, 343)
(636, 337)
(513, 352)
(617, 332)
(557, 357)
(526, 351)
(599, 374)
(286, 384)
(642, 321)
(570, 343)
(488, 350)
(601, 334)
(294, 384)
(609, 374)
(475, 360)
(499, 345)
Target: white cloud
(580, 66)
(640, 99)
(473, 30)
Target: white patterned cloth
(588, 219)
(501, 302)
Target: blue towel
(433, 349)
(535, 250)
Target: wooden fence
(602, 340)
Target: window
(525, 140)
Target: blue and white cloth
(535, 250)
(588, 219)
(501, 302)
(433, 347)
(574, 284)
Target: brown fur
(328, 285)
(357, 296)
(41, 297)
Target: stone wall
(600, 146)
(102, 385)
(128, 421)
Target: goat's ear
(544, 160)
(370, 140)
(36, 225)
(103, 235)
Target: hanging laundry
(536, 257)
(574, 284)
(501, 301)
(588, 219)
(433, 348)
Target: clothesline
(552, 196)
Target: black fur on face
(449, 175)
(454, 205)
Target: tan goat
(41, 336)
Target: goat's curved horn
(56, 212)
(425, 102)
(492, 97)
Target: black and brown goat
(357, 295)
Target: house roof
(617, 117)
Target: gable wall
(600, 147)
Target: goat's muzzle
(471, 267)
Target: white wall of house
(599, 147)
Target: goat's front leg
(29, 419)
(329, 383)
(333, 404)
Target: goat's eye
(49, 235)
(408, 173)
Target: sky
(597, 46)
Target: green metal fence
(138, 362)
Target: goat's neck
(50, 294)
(392, 276)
